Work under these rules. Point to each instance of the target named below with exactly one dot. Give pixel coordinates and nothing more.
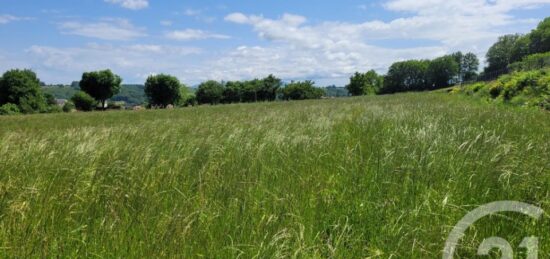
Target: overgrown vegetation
(526, 88)
(384, 176)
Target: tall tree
(521, 48)
(367, 83)
(162, 90)
(405, 76)
(269, 87)
(101, 85)
(442, 71)
(499, 55)
(540, 37)
(22, 88)
(210, 92)
(469, 67)
(233, 92)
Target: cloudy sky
(198, 40)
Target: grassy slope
(348, 178)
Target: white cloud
(105, 29)
(297, 48)
(6, 18)
(292, 46)
(130, 4)
(166, 23)
(237, 18)
(191, 34)
(131, 61)
(199, 15)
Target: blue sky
(231, 40)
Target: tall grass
(361, 177)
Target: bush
(83, 101)
(9, 109)
(162, 90)
(210, 92)
(69, 106)
(529, 88)
(22, 88)
(302, 91)
(531, 62)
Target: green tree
(233, 92)
(442, 71)
(521, 48)
(302, 91)
(469, 67)
(162, 90)
(101, 85)
(22, 88)
(69, 106)
(540, 37)
(405, 76)
(268, 88)
(367, 83)
(499, 55)
(83, 101)
(210, 92)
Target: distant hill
(131, 94)
(335, 91)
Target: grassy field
(380, 177)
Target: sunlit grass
(373, 176)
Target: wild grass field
(379, 177)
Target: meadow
(380, 177)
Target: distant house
(61, 102)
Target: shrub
(302, 91)
(9, 109)
(495, 89)
(22, 88)
(162, 90)
(69, 106)
(210, 92)
(83, 101)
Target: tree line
(20, 92)
(416, 75)
(421, 75)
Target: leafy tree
(233, 92)
(250, 90)
(499, 55)
(83, 101)
(405, 76)
(69, 106)
(469, 67)
(302, 91)
(210, 92)
(101, 85)
(9, 109)
(268, 88)
(50, 99)
(367, 83)
(540, 37)
(22, 88)
(162, 90)
(75, 84)
(441, 71)
(520, 48)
